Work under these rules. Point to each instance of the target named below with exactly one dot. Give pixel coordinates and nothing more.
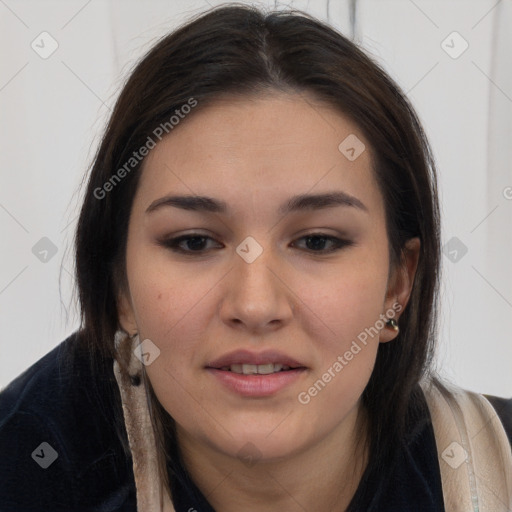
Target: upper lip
(248, 357)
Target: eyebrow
(294, 204)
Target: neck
(323, 476)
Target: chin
(263, 442)
(261, 450)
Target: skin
(254, 154)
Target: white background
(53, 110)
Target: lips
(256, 375)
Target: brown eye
(187, 244)
(317, 242)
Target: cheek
(165, 304)
(165, 296)
(172, 313)
(347, 345)
(346, 302)
(349, 304)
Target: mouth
(250, 362)
(256, 374)
(258, 369)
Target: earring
(126, 345)
(392, 324)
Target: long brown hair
(240, 50)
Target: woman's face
(265, 278)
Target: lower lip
(257, 385)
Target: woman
(257, 262)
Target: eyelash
(173, 243)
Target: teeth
(260, 369)
(265, 369)
(249, 369)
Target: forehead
(261, 148)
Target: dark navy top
(61, 447)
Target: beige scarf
(152, 495)
(474, 453)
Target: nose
(257, 298)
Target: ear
(125, 312)
(400, 286)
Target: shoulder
(473, 430)
(41, 380)
(59, 449)
(447, 400)
(503, 408)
